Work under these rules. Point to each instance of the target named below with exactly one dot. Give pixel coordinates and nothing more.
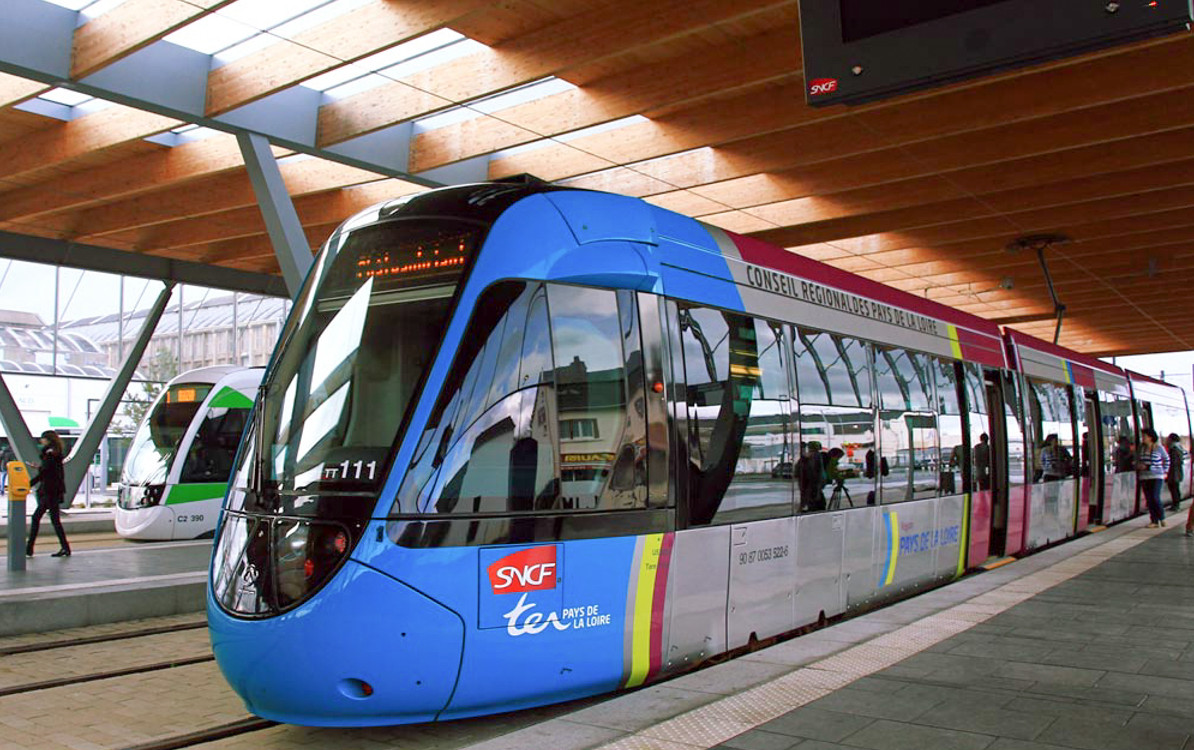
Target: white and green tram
(177, 468)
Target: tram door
(998, 459)
(1092, 459)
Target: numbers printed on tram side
(351, 470)
(766, 554)
(190, 519)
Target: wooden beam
(902, 204)
(981, 126)
(80, 137)
(735, 64)
(153, 171)
(210, 196)
(15, 89)
(372, 28)
(130, 26)
(323, 208)
(572, 41)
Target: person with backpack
(1173, 480)
(52, 491)
(1152, 466)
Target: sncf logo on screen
(531, 569)
(822, 86)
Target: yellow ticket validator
(18, 480)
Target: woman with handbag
(50, 495)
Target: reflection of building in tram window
(545, 411)
(833, 376)
(908, 427)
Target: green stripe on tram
(191, 493)
(230, 398)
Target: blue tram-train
(521, 444)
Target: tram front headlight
(152, 495)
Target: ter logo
(531, 569)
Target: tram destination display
(857, 51)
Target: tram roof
(1040, 345)
(117, 132)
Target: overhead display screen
(858, 51)
(863, 18)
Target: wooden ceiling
(923, 192)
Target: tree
(162, 366)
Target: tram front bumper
(366, 650)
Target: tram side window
(1053, 442)
(980, 428)
(755, 378)
(836, 459)
(597, 345)
(489, 446)
(737, 398)
(1083, 454)
(1017, 464)
(493, 441)
(1119, 436)
(214, 447)
(955, 472)
(907, 424)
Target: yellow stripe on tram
(895, 548)
(964, 537)
(955, 346)
(640, 658)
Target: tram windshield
(351, 361)
(343, 380)
(157, 438)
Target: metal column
(281, 220)
(79, 462)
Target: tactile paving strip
(714, 723)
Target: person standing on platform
(52, 480)
(1173, 480)
(5, 457)
(1152, 465)
(982, 462)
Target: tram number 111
(346, 470)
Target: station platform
(108, 584)
(1086, 645)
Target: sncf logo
(819, 86)
(531, 569)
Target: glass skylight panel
(446, 118)
(322, 13)
(245, 48)
(522, 95)
(403, 59)
(98, 7)
(197, 134)
(266, 14)
(90, 106)
(279, 21)
(65, 97)
(211, 34)
(602, 128)
(491, 104)
(438, 56)
(72, 4)
(384, 59)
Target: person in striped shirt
(1152, 466)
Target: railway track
(123, 684)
